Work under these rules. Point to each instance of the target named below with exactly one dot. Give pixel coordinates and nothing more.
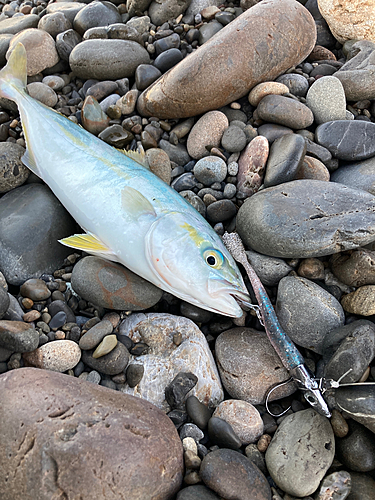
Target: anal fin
(91, 244)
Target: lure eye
(214, 258)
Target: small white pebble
(233, 168)
(189, 444)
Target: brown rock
(93, 117)
(312, 168)
(361, 302)
(68, 438)
(349, 19)
(355, 268)
(160, 164)
(269, 28)
(266, 88)
(320, 53)
(251, 166)
(285, 111)
(312, 269)
(206, 133)
(40, 49)
(57, 356)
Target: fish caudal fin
(13, 77)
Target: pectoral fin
(90, 244)
(135, 204)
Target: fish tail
(13, 77)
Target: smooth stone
(112, 286)
(36, 42)
(4, 302)
(357, 450)
(285, 111)
(93, 118)
(66, 41)
(206, 133)
(166, 60)
(249, 366)
(358, 83)
(70, 417)
(164, 359)
(318, 151)
(358, 402)
(361, 302)
(14, 311)
(242, 479)
(221, 210)
(42, 93)
(339, 424)
(116, 136)
(184, 182)
(123, 32)
(348, 139)
(145, 75)
(297, 84)
(57, 306)
(107, 59)
(35, 289)
(312, 168)
(336, 486)
(18, 336)
(222, 434)
(363, 487)
(101, 90)
(208, 30)
(4, 46)
(271, 131)
(176, 391)
(266, 88)
(175, 96)
(96, 14)
(195, 201)
(57, 321)
(326, 99)
(355, 351)
(233, 139)
(54, 23)
(299, 219)
(284, 160)
(32, 213)
(55, 82)
(320, 53)
(13, 172)
(312, 269)
(134, 374)
(270, 270)
(94, 377)
(177, 154)
(307, 312)
(210, 169)
(358, 175)
(56, 356)
(243, 417)
(160, 12)
(169, 42)
(107, 345)
(195, 313)
(112, 363)
(69, 9)
(349, 19)
(300, 453)
(356, 268)
(323, 70)
(197, 411)
(196, 492)
(159, 163)
(16, 24)
(95, 334)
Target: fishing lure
(128, 214)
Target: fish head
(190, 261)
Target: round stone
(233, 139)
(134, 374)
(35, 289)
(312, 168)
(54, 81)
(107, 345)
(13, 172)
(297, 84)
(285, 111)
(221, 210)
(54, 23)
(206, 133)
(326, 99)
(145, 75)
(96, 14)
(57, 356)
(95, 335)
(112, 363)
(18, 336)
(357, 450)
(355, 269)
(222, 434)
(198, 412)
(42, 93)
(266, 88)
(210, 169)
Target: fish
(128, 215)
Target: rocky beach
(262, 116)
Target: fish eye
(213, 258)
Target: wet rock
(271, 131)
(312, 168)
(222, 434)
(164, 359)
(251, 166)
(300, 219)
(307, 312)
(347, 139)
(93, 117)
(336, 486)
(355, 268)
(285, 159)
(326, 99)
(112, 430)
(110, 364)
(206, 134)
(16, 24)
(36, 42)
(358, 402)
(112, 286)
(107, 59)
(54, 23)
(175, 96)
(242, 478)
(297, 84)
(94, 335)
(249, 366)
(96, 14)
(196, 492)
(32, 213)
(361, 302)
(357, 450)
(176, 391)
(160, 12)
(42, 93)
(35, 289)
(13, 172)
(285, 111)
(18, 336)
(57, 356)
(243, 417)
(145, 75)
(301, 452)
(359, 175)
(266, 88)
(198, 412)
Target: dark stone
(116, 136)
(58, 320)
(285, 111)
(348, 139)
(195, 313)
(359, 175)
(4, 301)
(65, 43)
(196, 492)
(184, 182)
(198, 412)
(318, 151)
(124, 339)
(222, 434)
(191, 430)
(14, 25)
(145, 75)
(242, 479)
(357, 449)
(299, 219)
(270, 270)
(177, 390)
(363, 487)
(59, 305)
(134, 374)
(177, 154)
(220, 211)
(110, 364)
(18, 336)
(32, 214)
(35, 289)
(208, 30)
(166, 60)
(271, 131)
(96, 14)
(297, 84)
(67, 418)
(284, 160)
(101, 90)
(166, 43)
(178, 417)
(13, 172)
(323, 70)
(358, 401)
(139, 348)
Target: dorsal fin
(138, 156)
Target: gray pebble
(18, 336)
(297, 84)
(285, 111)
(357, 449)
(54, 23)
(4, 302)
(194, 201)
(271, 131)
(221, 210)
(13, 172)
(95, 335)
(198, 412)
(65, 43)
(326, 99)
(94, 377)
(233, 139)
(210, 169)
(166, 60)
(134, 374)
(358, 402)
(110, 364)
(96, 14)
(336, 486)
(177, 154)
(269, 269)
(359, 175)
(363, 487)
(209, 30)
